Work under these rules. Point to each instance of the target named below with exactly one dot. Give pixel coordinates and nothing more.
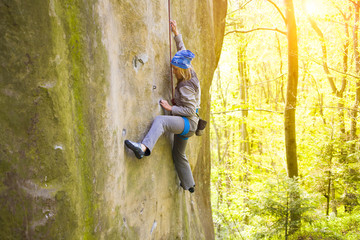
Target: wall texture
(77, 78)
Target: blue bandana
(182, 59)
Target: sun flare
(312, 7)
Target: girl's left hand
(174, 27)
(165, 105)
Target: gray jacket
(187, 94)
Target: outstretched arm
(178, 38)
(174, 27)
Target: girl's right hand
(165, 105)
(174, 27)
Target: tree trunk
(244, 146)
(291, 94)
(340, 93)
(281, 88)
(290, 107)
(357, 69)
(219, 183)
(328, 195)
(331, 78)
(330, 183)
(333, 200)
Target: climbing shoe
(136, 148)
(192, 189)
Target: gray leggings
(173, 124)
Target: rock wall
(77, 78)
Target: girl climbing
(184, 118)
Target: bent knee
(159, 119)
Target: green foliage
(318, 235)
(251, 196)
(275, 203)
(341, 227)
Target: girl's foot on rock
(136, 148)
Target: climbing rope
(171, 76)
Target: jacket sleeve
(189, 100)
(179, 42)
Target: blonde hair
(182, 74)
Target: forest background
(253, 194)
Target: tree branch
(353, 2)
(256, 29)
(341, 23)
(270, 111)
(324, 50)
(239, 110)
(242, 7)
(276, 6)
(345, 16)
(333, 69)
(343, 108)
(267, 81)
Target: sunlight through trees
(284, 113)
